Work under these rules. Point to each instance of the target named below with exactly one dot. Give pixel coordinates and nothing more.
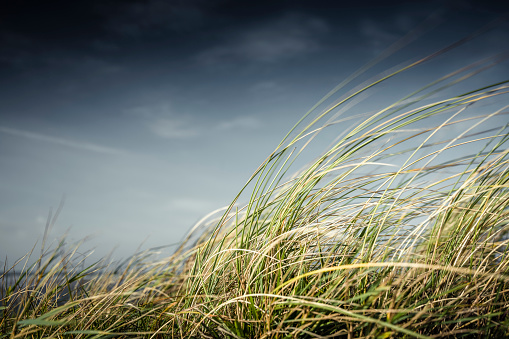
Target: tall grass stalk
(399, 229)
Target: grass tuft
(400, 228)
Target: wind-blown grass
(400, 228)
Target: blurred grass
(399, 229)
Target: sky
(141, 117)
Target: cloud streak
(62, 141)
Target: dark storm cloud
(65, 36)
(33, 33)
(112, 52)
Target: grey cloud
(20, 52)
(379, 37)
(16, 49)
(183, 128)
(239, 122)
(163, 122)
(289, 36)
(135, 19)
(381, 34)
(87, 64)
(173, 128)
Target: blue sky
(147, 115)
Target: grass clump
(399, 229)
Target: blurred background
(141, 117)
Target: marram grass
(399, 229)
